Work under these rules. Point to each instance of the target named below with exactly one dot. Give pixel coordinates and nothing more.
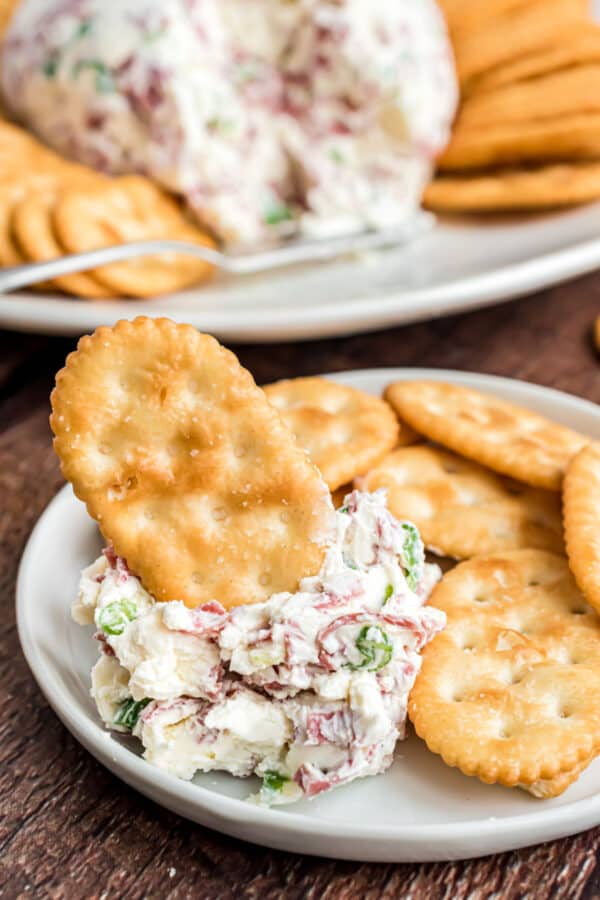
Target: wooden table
(69, 828)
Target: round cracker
(580, 44)
(508, 692)
(568, 92)
(32, 225)
(462, 15)
(528, 28)
(462, 509)
(126, 209)
(529, 189)
(575, 137)
(344, 430)
(509, 439)
(186, 467)
(581, 506)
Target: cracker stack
(527, 135)
(510, 690)
(50, 206)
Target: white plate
(419, 810)
(457, 266)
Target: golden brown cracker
(509, 691)
(569, 138)
(344, 430)
(339, 495)
(581, 509)
(509, 439)
(516, 190)
(131, 208)
(546, 788)
(186, 467)
(518, 31)
(579, 45)
(566, 93)
(7, 8)
(462, 509)
(462, 15)
(32, 225)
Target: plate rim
(234, 816)
(382, 309)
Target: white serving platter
(419, 810)
(461, 264)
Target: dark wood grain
(70, 829)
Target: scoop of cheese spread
(308, 690)
(318, 116)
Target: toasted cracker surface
(462, 509)
(506, 438)
(580, 44)
(33, 228)
(186, 467)
(544, 187)
(515, 32)
(581, 509)
(510, 690)
(565, 138)
(565, 93)
(462, 15)
(344, 430)
(125, 209)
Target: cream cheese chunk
(308, 690)
(316, 116)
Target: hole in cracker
(579, 611)
(533, 583)
(451, 469)
(219, 514)
(162, 396)
(105, 449)
(197, 577)
(264, 578)
(513, 489)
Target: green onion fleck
(343, 509)
(151, 36)
(104, 80)
(116, 616)
(375, 647)
(388, 593)
(336, 155)
(50, 66)
(278, 212)
(413, 556)
(274, 781)
(129, 712)
(84, 28)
